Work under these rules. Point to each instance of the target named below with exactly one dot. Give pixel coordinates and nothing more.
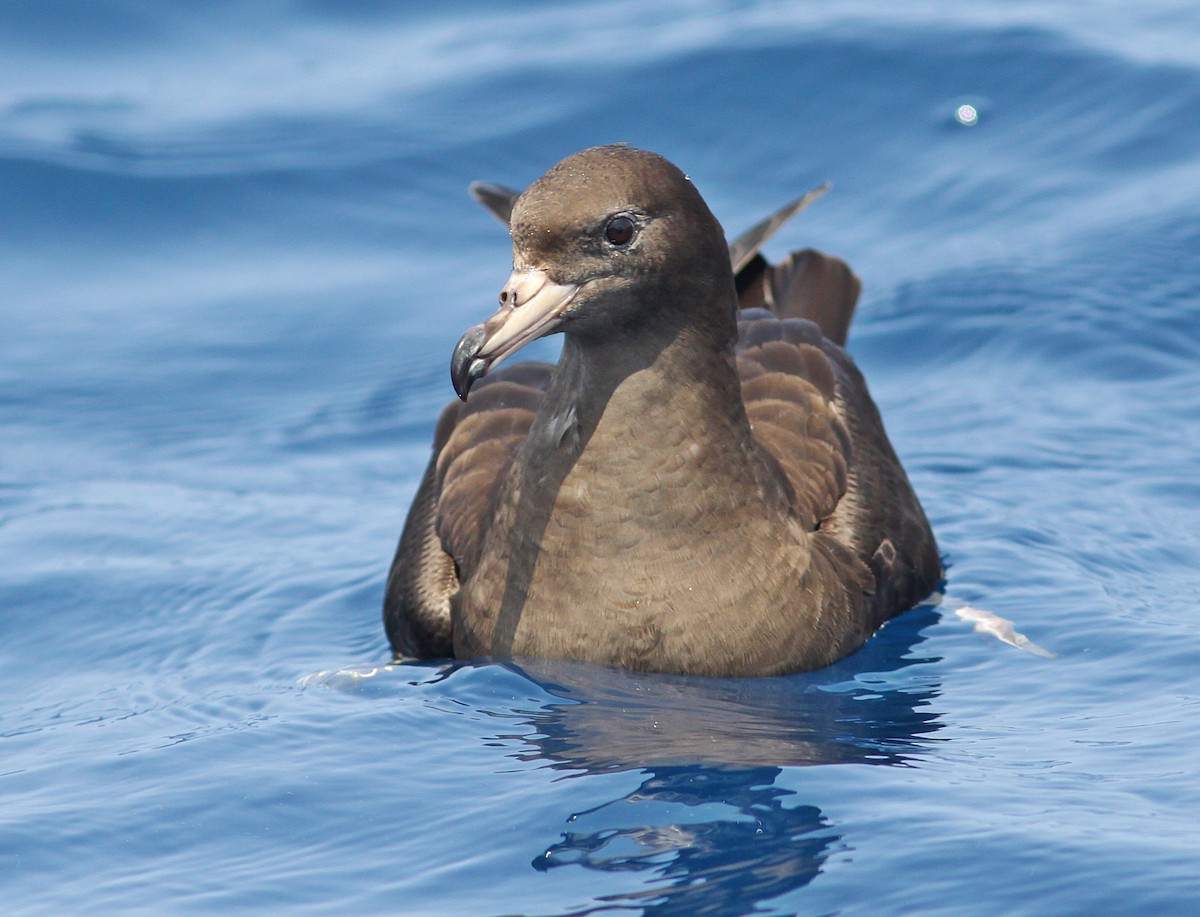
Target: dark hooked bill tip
(466, 366)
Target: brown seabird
(701, 485)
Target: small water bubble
(966, 115)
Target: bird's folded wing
(473, 449)
(789, 388)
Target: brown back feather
(806, 284)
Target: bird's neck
(660, 407)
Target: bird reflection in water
(707, 826)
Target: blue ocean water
(235, 253)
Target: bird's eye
(619, 230)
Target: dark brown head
(612, 237)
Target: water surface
(235, 253)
